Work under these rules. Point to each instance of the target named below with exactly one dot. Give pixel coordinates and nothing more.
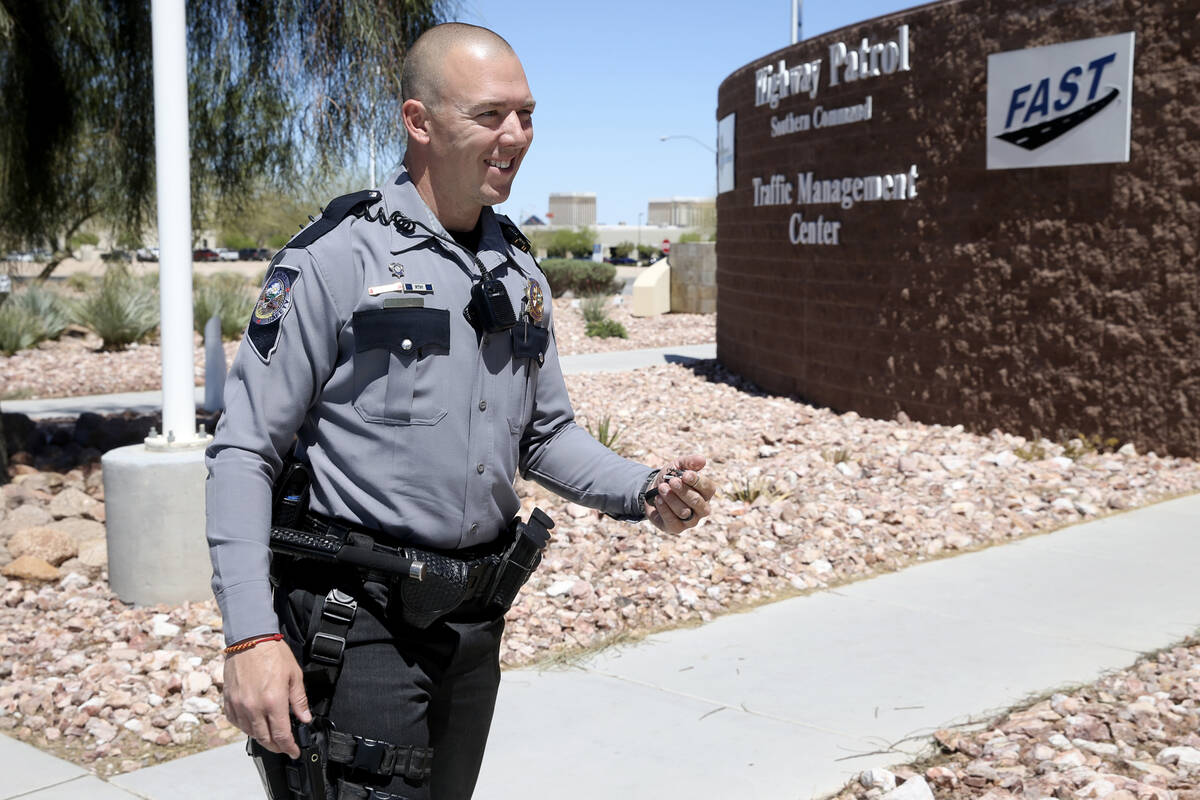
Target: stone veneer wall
(1057, 300)
(694, 278)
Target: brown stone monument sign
(869, 260)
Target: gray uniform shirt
(411, 422)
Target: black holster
(287, 778)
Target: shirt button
(483, 405)
(475, 528)
(479, 468)
(406, 345)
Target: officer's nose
(517, 130)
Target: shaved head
(424, 72)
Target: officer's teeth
(500, 164)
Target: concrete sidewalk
(150, 402)
(795, 698)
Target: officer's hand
(261, 685)
(682, 501)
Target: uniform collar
(400, 194)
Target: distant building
(573, 208)
(686, 212)
(533, 219)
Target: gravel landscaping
(74, 365)
(1133, 735)
(809, 499)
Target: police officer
(383, 356)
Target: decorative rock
(912, 789)
(878, 778)
(93, 553)
(74, 503)
(200, 705)
(79, 529)
(1183, 756)
(560, 587)
(164, 628)
(47, 544)
(102, 730)
(24, 516)
(31, 568)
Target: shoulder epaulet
(331, 216)
(513, 234)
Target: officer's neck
(454, 216)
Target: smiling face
(478, 131)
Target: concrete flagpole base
(154, 506)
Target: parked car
(621, 261)
(228, 255)
(204, 254)
(115, 255)
(254, 254)
(147, 254)
(19, 257)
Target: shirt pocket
(529, 344)
(394, 375)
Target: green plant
(80, 239)
(606, 329)
(606, 433)
(692, 236)
(580, 277)
(80, 282)
(593, 308)
(225, 295)
(1034, 451)
(754, 488)
(646, 251)
(622, 250)
(48, 310)
(1080, 445)
(837, 456)
(18, 328)
(236, 241)
(121, 311)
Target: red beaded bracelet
(246, 644)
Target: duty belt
(431, 583)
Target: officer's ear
(416, 120)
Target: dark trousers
(434, 687)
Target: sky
(611, 78)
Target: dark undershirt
(469, 239)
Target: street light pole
(797, 20)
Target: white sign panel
(725, 154)
(1063, 104)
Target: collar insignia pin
(396, 269)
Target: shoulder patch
(331, 216)
(273, 304)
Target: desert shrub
(122, 310)
(606, 328)
(226, 295)
(18, 328)
(606, 433)
(80, 282)
(50, 312)
(593, 308)
(580, 277)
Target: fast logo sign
(1063, 104)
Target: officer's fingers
(297, 699)
(692, 462)
(700, 483)
(688, 493)
(281, 732)
(674, 511)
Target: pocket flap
(530, 341)
(390, 328)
